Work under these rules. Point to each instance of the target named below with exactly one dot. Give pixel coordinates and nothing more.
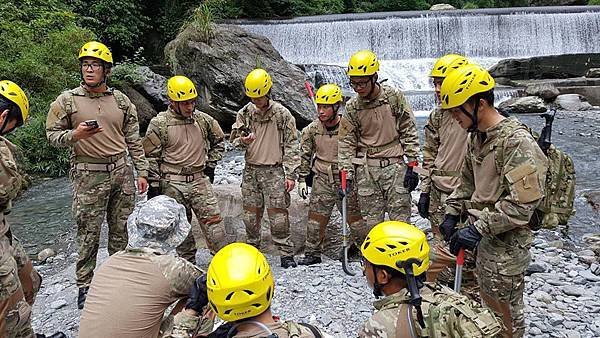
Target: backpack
(70, 107)
(556, 206)
(448, 314)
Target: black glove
(467, 237)
(223, 331)
(411, 179)
(197, 298)
(210, 172)
(448, 226)
(423, 205)
(341, 192)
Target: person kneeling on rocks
(132, 289)
(396, 257)
(240, 290)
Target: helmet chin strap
(373, 84)
(377, 287)
(472, 116)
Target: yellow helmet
(463, 83)
(391, 242)
(258, 83)
(180, 88)
(12, 92)
(363, 63)
(444, 65)
(239, 282)
(97, 50)
(328, 94)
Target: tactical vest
(556, 206)
(248, 118)
(70, 109)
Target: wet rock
(545, 67)
(537, 267)
(45, 254)
(524, 105)
(546, 91)
(572, 102)
(593, 72)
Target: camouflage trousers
(437, 209)
(264, 187)
(97, 194)
(381, 190)
(323, 198)
(504, 296)
(198, 196)
(19, 284)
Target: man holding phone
(101, 126)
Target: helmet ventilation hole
(229, 296)
(380, 249)
(249, 292)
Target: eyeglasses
(94, 66)
(437, 82)
(359, 85)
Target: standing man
(443, 153)
(183, 146)
(320, 141)
(100, 124)
(378, 130)
(266, 130)
(502, 183)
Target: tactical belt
(331, 167)
(377, 149)
(180, 170)
(376, 162)
(95, 164)
(184, 178)
(263, 165)
(447, 173)
(478, 205)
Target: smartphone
(92, 123)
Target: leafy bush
(594, 2)
(470, 5)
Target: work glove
(467, 238)
(223, 331)
(423, 205)
(210, 172)
(448, 226)
(303, 189)
(411, 179)
(341, 191)
(197, 297)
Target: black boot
(288, 261)
(56, 335)
(309, 260)
(81, 297)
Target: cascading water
(408, 46)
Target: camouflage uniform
(102, 177)
(19, 282)
(502, 182)
(283, 329)
(443, 312)
(322, 144)
(179, 163)
(375, 136)
(270, 160)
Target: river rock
(592, 241)
(573, 290)
(220, 66)
(144, 108)
(546, 91)
(442, 7)
(546, 67)
(593, 72)
(521, 105)
(45, 254)
(572, 102)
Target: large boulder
(144, 107)
(546, 67)
(220, 67)
(572, 102)
(546, 91)
(524, 105)
(442, 7)
(593, 73)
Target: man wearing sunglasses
(378, 144)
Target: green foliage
(38, 51)
(470, 5)
(594, 2)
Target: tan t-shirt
(186, 145)
(451, 153)
(131, 291)
(265, 149)
(378, 128)
(110, 117)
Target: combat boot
(288, 261)
(82, 296)
(309, 260)
(56, 335)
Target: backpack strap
(70, 107)
(312, 329)
(404, 324)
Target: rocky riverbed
(562, 284)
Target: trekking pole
(345, 264)
(311, 94)
(460, 261)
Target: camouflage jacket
(59, 130)
(286, 125)
(308, 145)
(283, 329)
(156, 137)
(502, 203)
(350, 128)
(443, 313)
(442, 133)
(10, 179)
